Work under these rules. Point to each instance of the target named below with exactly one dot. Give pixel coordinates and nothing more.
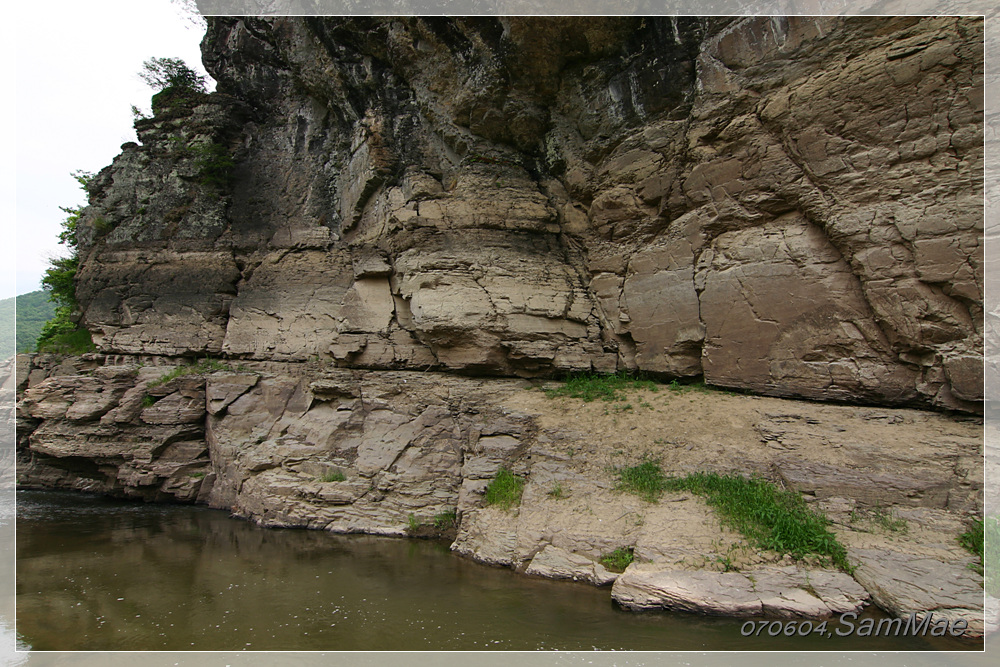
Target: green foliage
(206, 365)
(445, 520)
(215, 164)
(769, 517)
(645, 480)
(74, 341)
(505, 490)
(148, 401)
(982, 540)
(878, 516)
(413, 523)
(556, 492)
(61, 334)
(607, 387)
(618, 560)
(171, 73)
(333, 476)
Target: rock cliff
(789, 206)
(392, 230)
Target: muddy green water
(98, 574)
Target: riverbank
(383, 452)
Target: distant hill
(33, 310)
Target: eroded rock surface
(379, 451)
(791, 206)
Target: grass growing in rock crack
(886, 519)
(333, 476)
(607, 387)
(445, 520)
(505, 490)
(618, 560)
(771, 518)
(206, 365)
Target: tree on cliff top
(166, 73)
(62, 333)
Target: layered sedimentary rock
(790, 206)
(369, 212)
(403, 453)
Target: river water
(99, 574)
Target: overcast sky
(76, 67)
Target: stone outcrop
(391, 230)
(789, 206)
(769, 592)
(359, 451)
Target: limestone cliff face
(790, 206)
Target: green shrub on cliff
(171, 73)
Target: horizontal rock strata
(379, 451)
(792, 206)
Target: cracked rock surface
(790, 206)
(361, 451)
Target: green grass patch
(606, 387)
(149, 401)
(769, 517)
(880, 517)
(982, 539)
(557, 492)
(206, 365)
(505, 490)
(645, 480)
(445, 520)
(333, 476)
(618, 560)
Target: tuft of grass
(886, 519)
(206, 365)
(606, 387)
(413, 523)
(333, 476)
(197, 475)
(645, 480)
(771, 518)
(618, 560)
(505, 490)
(980, 534)
(445, 520)
(556, 492)
(148, 401)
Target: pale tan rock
(556, 563)
(781, 592)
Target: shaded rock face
(791, 206)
